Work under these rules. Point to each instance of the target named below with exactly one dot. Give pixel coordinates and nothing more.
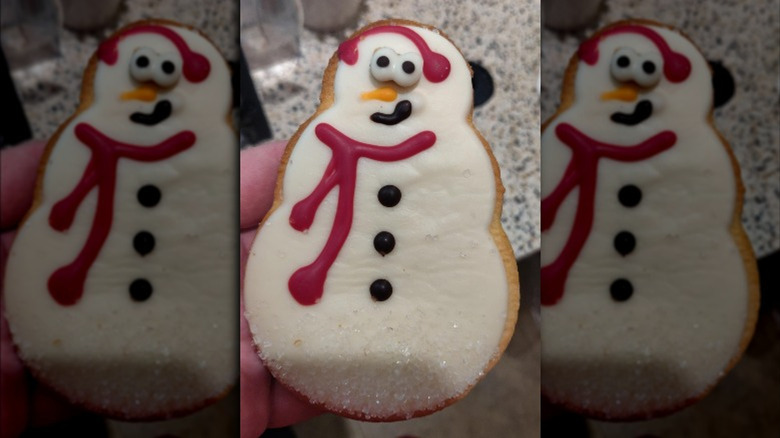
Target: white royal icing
(674, 337)
(176, 350)
(433, 338)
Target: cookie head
(392, 72)
(150, 72)
(639, 68)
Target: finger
(49, 407)
(287, 408)
(255, 385)
(245, 242)
(13, 385)
(18, 173)
(6, 239)
(259, 169)
(255, 393)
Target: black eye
(408, 67)
(168, 67)
(648, 67)
(142, 61)
(383, 61)
(623, 61)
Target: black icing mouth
(402, 111)
(642, 112)
(162, 110)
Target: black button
(621, 289)
(648, 67)
(143, 242)
(624, 242)
(381, 290)
(149, 195)
(140, 290)
(623, 62)
(142, 61)
(383, 61)
(384, 242)
(630, 195)
(408, 67)
(389, 196)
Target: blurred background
(742, 42)
(46, 45)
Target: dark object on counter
(769, 278)
(722, 83)
(252, 126)
(14, 127)
(482, 83)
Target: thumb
(18, 173)
(259, 170)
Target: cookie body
(649, 289)
(381, 285)
(118, 285)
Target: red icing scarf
(66, 284)
(307, 283)
(582, 171)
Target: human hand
(24, 402)
(264, 402)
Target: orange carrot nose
(626, 93)
(385, 93)
(147, 93)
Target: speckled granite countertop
(50, 90)
(501, 35)
(745, 37)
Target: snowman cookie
(119, 289)
(649, 285)
(381, 285)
